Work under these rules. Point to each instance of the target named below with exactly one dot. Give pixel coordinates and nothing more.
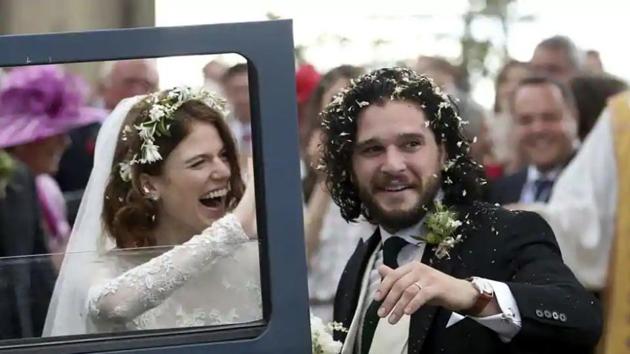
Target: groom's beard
(399, 219)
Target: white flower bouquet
(321, 336)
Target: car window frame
(268, 48)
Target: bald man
(558, 58)
(127, 78)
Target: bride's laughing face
(194, 183)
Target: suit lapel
(422, 319)
(347, 296)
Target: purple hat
(37, 102)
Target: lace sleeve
(146, 286)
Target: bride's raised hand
(245, 211)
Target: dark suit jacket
(517, 248)
(507, 190)
(25, 282)
(76, 165)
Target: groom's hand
(405, 289)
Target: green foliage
(7, 165)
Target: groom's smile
(394, 191)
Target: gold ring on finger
(418, 285)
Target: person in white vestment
(165, 235)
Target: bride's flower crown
(157, 119)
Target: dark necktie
(542, 190)
(391, 248)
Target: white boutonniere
(321, 336)
(442, 225)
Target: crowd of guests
(543, 114)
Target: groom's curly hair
(461, 176)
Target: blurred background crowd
(530, 91)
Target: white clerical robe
(583, 205)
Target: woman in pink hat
(39, 105)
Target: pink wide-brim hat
(38, 102)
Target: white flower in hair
(182, 94)
(145, 132)
(150, 152)
(156, 113)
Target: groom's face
(396, 163)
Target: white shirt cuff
(507, 323)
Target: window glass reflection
(165, 235)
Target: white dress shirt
(528, 194)
(242, 134)
(506, 324)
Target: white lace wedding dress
(212, 279)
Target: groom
(443, 273)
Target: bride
(166, 174)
